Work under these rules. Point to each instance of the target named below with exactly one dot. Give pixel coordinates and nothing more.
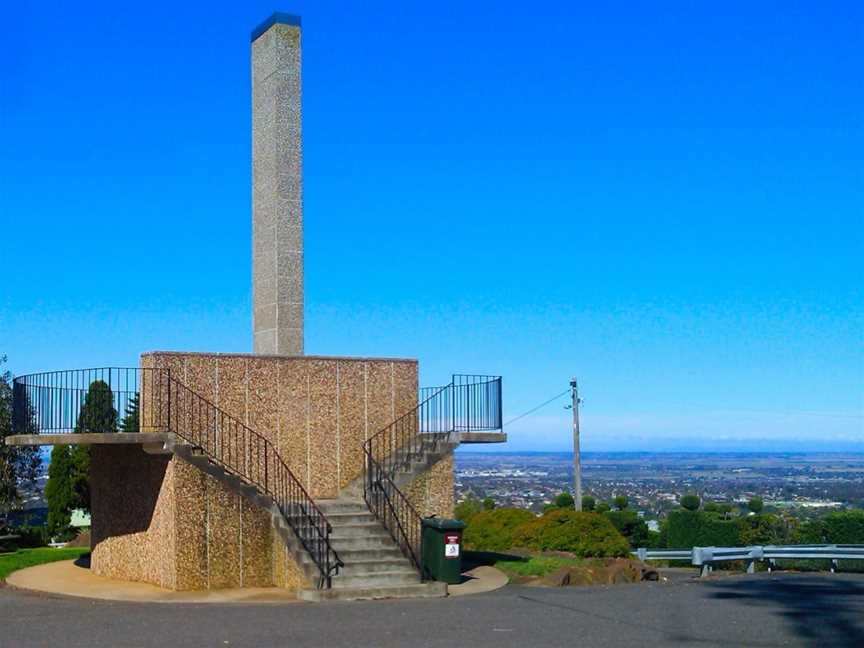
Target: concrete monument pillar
(277, 188)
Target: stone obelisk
(277, 188)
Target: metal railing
(469, 403)
(106, 399)
(90, 400)
(707, 557)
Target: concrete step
(350, 556)
(365, 530)
(417, 590)
(359, 567)
(338, 506)
(361, 542)
(341, 519)
(378, 579)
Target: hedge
(582, 533)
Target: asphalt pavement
(762, 610)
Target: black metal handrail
(90, 400)
(394, 510)
(470, 403)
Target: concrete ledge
(479, 580)
(482, 437)
(69, 579)
(94, 438)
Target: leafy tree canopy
(755, 505)
(18, 465)
(564, 500)
(690, 502)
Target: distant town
(801, 484)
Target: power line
(534, 409)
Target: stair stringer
(251, 494)
(354, 489)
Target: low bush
(839, 527)
(493, 530)
(584, 534)
(767, 529)
(686, 528)
(631, 526)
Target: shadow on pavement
(828, 609)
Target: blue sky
(662, 198)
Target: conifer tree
(131, 421)
(68, 486)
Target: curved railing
(470, 403)
(151, 400)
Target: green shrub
(655, 540)
(721, 508)
(466, 510)
(32, 536)
(767, 529)
(839, 527)
(631, 526)
(621, 502)
(756, 505)
(584, 534)
(685, 529)
(493, 530)
(588, 503)
(602, 507)
(564, 500)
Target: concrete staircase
(374, 566)
(410, 465)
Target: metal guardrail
(706, 557)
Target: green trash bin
(441, 549)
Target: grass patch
(536, 565)
(10, 562)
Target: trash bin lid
(443, 523)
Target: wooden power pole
(577, 459)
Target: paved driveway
(763, 610)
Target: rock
(558, 578)
(649, 574)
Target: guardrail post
(642, 554)
(833, 565)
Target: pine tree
(97, 415)
(131, 421)
(68, 486)
(59, 491)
